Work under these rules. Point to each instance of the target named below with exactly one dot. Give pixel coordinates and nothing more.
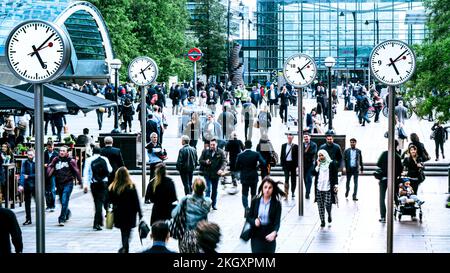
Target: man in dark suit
(160, 236)
(289, 162)
(247, 164)
(50, 191)
(309, 160)
(333, 150)
(353, 163)
(114, 156)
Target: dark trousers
(259, 243)
(99, 119)
(99, 191)
(383, 187)
(377, 113)
(46, 127)
(283, 112)
(248, 129)
(28, 193)
(50, 192)
(346, 101)
(211, 189)
(245, 188)
(308, 180)
(353, 171)
(186, 178)
(439, 143)
(125, 234)
(59, 131)
(290, 171)
(64, 192)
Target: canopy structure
(14, 101)
(74, 100)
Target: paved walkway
(355, 226)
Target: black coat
(334, 151)
(309, 155)
(234, 147)
(162, 199)
(218, 162)
(274, 213)
(125, 207)
(293, 153)
(333, 172)
(411, 166)
(9, 227)
(382, 163)
(114, 156)
(247, 163)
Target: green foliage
(153, 28)
(210, 30)
(430, 86)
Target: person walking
(214, 163)
(233, 147)
(309, 161)
(272, 97)
(49, 155)
(284, 103)
(353, 164)
(125, 200)
(264, 121)
(382, 164)
(193, 130)
(227, 121)
(401, 112)
(378, 105)
(421, 151)
(266, 150)
(27, 183)
(326, 184)
(248, 115)
(289, 162)
(413, 166)
(440, 135)
(247, 164)
(162, 194)
(333, 149)
(95, 175)
(114, 156)
(65, 169)
(196, 207)
(264, 217)
(187, 162)
(9, 231)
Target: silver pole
(40, 178)
(300, 151)
(143, 136)
(391, 169)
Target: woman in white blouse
(326, 184)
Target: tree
(209, 26)
(149, 28)
(430, 86)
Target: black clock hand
(395, 67)
(300, 71)
(40, 47)
(39, 58)
(305, 65)
(396, 59)
(143, 74)
(146, 67)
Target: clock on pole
(143, 71)
(300, 70)
(38, 52)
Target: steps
(431, 169)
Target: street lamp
(377, 29)
(248, 51)
(116, 64)
(355, 53)
(330, 62)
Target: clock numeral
(379, 62)
(292, 65)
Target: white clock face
(143, 71)
(392, 62)
(37, 51)
(300, 70)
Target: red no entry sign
(194, 54)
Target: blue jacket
(28, 168)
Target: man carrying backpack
(96, 172)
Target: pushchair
(410, 207)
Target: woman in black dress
(162, 195)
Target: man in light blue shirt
(353, 163)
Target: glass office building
(346, 30)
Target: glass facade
(346, 30)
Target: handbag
(109, 218)
(178, 225)
(402, 133)
(256, 124)
(421, 176)
(143, 229)
(246, 231)
(378, 174)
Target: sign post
(195, 54)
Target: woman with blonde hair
(125, 200)
(162, 195)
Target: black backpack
(99, 169)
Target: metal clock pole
(391, 169)
(143, 136)
(39, 159)
(300, 151)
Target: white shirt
(323, 183)
(87, 177)
(289, 151)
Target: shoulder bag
(246, 231)
(109, 218)
(178, 225)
